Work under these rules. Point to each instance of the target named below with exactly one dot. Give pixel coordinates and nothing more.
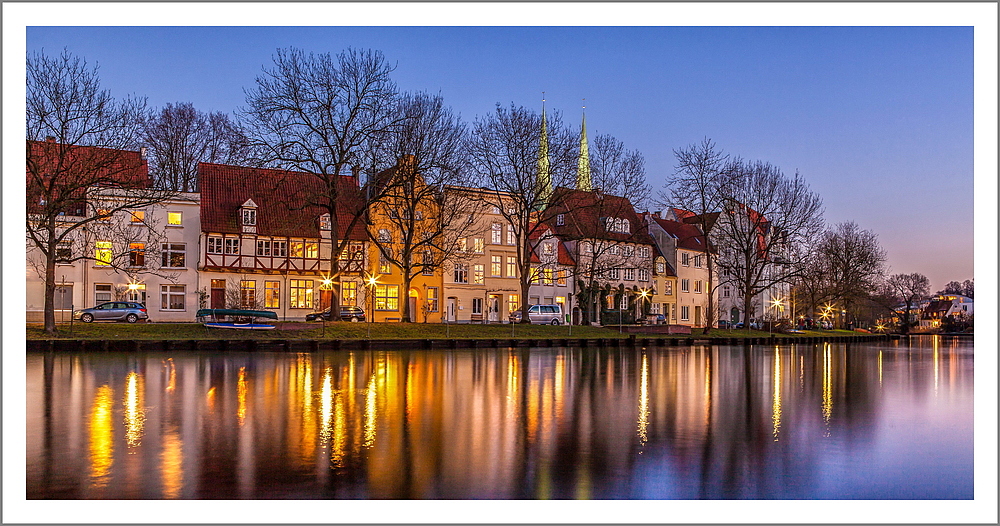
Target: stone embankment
(302, 345)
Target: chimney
(142, 152)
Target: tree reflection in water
(724, 422)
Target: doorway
(493, 306)
(218, 299)
(412, 305)
(451, 308)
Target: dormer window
(560, 219)
(324, 222)
(248, 217)
(619, 225)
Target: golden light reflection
(171, 375)
(338, 448)
(936, 342)
(241, 396)
(512, 398)
(827, 387)
(644, 400)
(135, 416)
(307, 440)
(210, 399)
(326, 407)
(880, 367)
(172, 464)
(371, 412)
(776, 397)
(101, 436)
(708, 391)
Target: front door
(697, 316)
(218, 294)
(413, 307)
(451, 308)
(494, 308)
(325, 299)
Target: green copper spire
(583, 167)
(544, 172)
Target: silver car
(543, 314)
(129, 311)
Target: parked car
(753, 325)
(129, 311)
(541, 314)
(347, 313)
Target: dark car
(346, 314)
(129, 311)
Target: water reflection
(823, 421)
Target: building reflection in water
(697, 422)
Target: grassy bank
(355, 331)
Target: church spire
(583, 181)
(544, 171)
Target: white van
(541, 314)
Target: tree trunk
(405, 293)
(50, 292)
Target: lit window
(138, 216)
(561, 277)
(496, 234)
(248, 294)
(103, 214)
(511, 237)
(496, 265)
(384, 267)
(137, 254)
(535, 275)
(174, 218)
(324, 222)
(478, 271)
(479, 245)
(312, 249)
(386, 297)
(548, 276)
(432, 299)
(548, 249)
(384, 236)
(301, 293)
(511, 267)
(296, 249)
(172, 297)
(512, 303)
(272, 294)
(349, 291)
(102, 253)
(428, 263)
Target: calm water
(867, 421)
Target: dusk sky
(879, 120)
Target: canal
(886, 420)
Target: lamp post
(779, 306)
(371, 281)
(643, 294)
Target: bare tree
(323, 114)
(521, 156)
(179, 137)
(965, 288)
(698, 185)
(77, 156)
(765, 219)
(853, 261)
(906, 291)
(424, 220)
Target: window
(560, 219)
(496, 265)
(644, 274)
(64, 250)
(461, 245)
(349, 291)
(630, 274)
(511, 236)
(384, 236)
(324, 222)
(137, 254)
(384, 267)
(215, 245)
(548, 276)
(279, 249)
(685, 285)
(477, 275)
(300, 293)
(428, 263)
(685, 259)
(386, 297)
(461, 272)
(172, 255)
(174, 218)
(172, 297)
(629, 250)
(697, 261)
(613, 250)
(103, 214)
(588, 248)
(725, 291)
(535, 275)
(644, 252)
(137, 294)
(248, 294)
(697, 286)
(511, 267)
(138, 216)
(685, 313)
(477, 305)
(668, 288)
(496, 234)
(512, 303)
(623, 302)
(296, 249)
(548, 249)
(561, 277)
(249, 216)
(614, 274)
(272, 294)
(102, 292)
(232, 246)
(312, 249)
(102, 253)
(479, 245)
(263, 248)
(661, 267)
(614, 224)
(432, 299)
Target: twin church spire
(544, 181)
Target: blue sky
(879, 120)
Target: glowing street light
(371, 281)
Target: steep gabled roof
(584, 215)
(688, 236)
(79, 168)
(281, 198)
(563, 256)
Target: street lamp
(371, 281)
(779, 306)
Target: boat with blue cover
(236, 318)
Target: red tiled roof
(281, 198)
(688, 236)
(584, 212)
(564, 257)
(77, 168)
